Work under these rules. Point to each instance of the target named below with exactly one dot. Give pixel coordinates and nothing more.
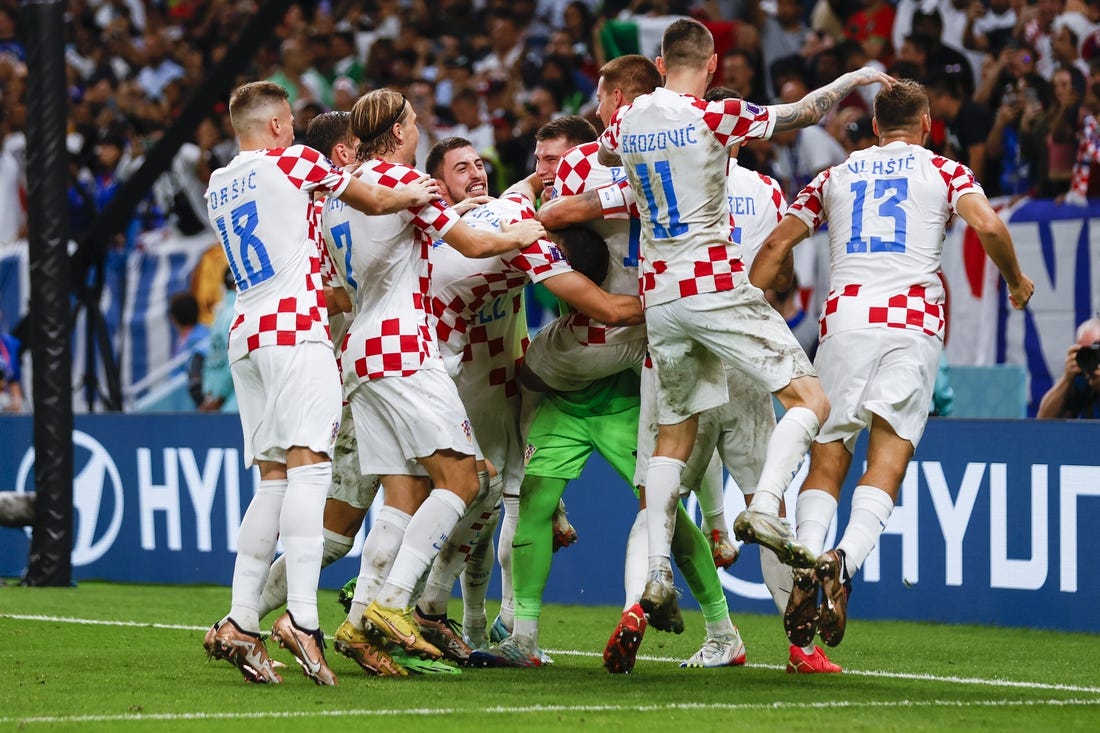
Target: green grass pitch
(112, 657)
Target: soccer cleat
(356, 645)
(308, 647)
(444, 633)
(498, 632)
(723, 550)
(772, 532)
(347, 594)
(621, 651)
(660, 605)
(397, 624)
(245, 650)
(817, 663)
(720, 650)
(800, 616)
(415, 665)
(836, 586)
(512, 652)
(208, 639)
(565, 533)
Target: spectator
(739, 74)
(1011, 173)
(159, 68)
(11, 389)
(783, 34)
(1067, 32)
(506, 49)
(799, 155)
(966, 124)
(989, 30)
(1076, 393)
(217, 381)
(298, 77)
(191, 338)
(871, 26)
(1049, 137)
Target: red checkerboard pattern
(1088, 152)
(959, 179)
(909, 310)
(575, 170)
(734, 120)
(308, 170)
(397, 350)
(294, 316)
(713, 275)
(809, 205)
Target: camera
(1088, 357)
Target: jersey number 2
(244, 219)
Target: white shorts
(496, 427)
(349, 484)
(400, 419)
(692, 338)
(288, 396)
(889, 372)
(739, 429)
(566, 365)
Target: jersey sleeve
(809, 205)
(735, 120)
(611, 136)
(310, 171)
(777, 199)
(958, 178)
(574, 169)
(434, 219)
(540, 260)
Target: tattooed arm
(812, 108)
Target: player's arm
(567, 210)
(480, 243)
(585, 296)
(337, 300)
(531, 187)
(812, 108)
(975, 210)
(374, 200)
(773, 266)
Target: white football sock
(813, 513)
(301, 528)
(504, 558)
(477, 574)
(721, 627)
(777, 577)
(274, 594)
(712, 498)
(636, 569)
(452, 558)
(785, 453)
(430, 526)
(662, 491)
(871, 508)
(255, 547)
(379, 550)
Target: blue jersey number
(631, 259)
(341, 235)
(663, 172)
(891, 192)
(255, 265)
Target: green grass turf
(59, 675)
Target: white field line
(988, 682)
(533, 709)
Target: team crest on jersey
(468, 429)
(335, 430)
(528, 452)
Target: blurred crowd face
(1064, 92)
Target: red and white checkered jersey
(756, 205)
(390, 336)
(261, 207)
(673, 147)
(477, 303)
(887, 208)
(580, 171)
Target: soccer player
(284, 373)
(405, 406)
(477, 309)
(881, 333)
(699, 314)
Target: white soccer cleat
(720, 650)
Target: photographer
(1076, 394)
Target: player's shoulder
(388, 173)
(584, 151)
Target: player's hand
(1019, 295)
(523, 232)
(868, 75)
(424, 190)
(471, 203)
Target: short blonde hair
(372, 119)
(248, 100)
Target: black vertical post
(43, 27)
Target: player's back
(756, 205)
(887, 208)
(262, 215)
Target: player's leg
(475, 586)
(712, 505)
(888, 455)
